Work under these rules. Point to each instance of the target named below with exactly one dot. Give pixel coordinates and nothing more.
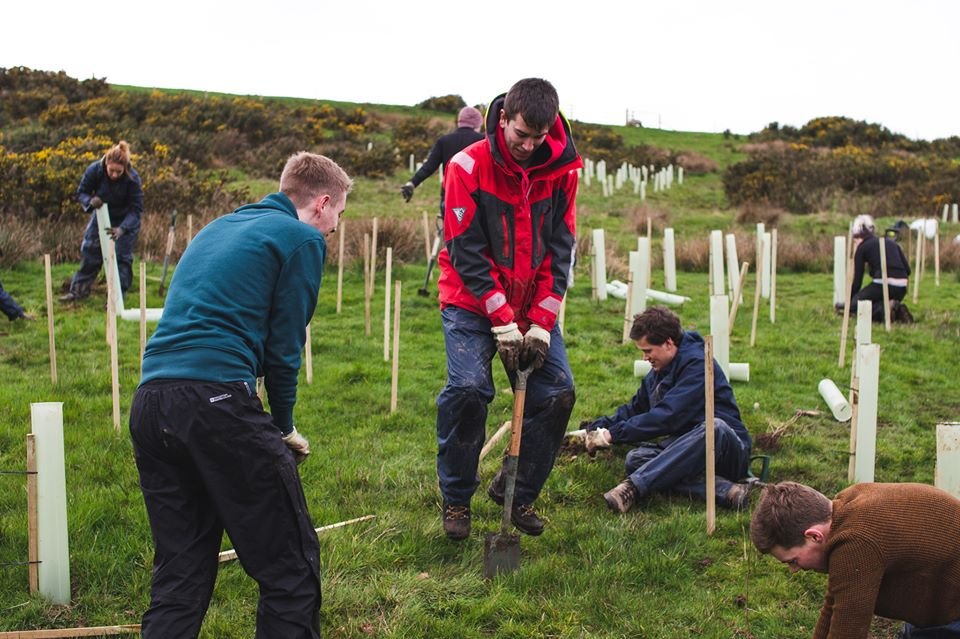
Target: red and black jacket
(509, 232)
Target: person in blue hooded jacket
(113, 181)
(210, 458)
(665, 419)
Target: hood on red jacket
(556, 154)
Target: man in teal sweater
(210, 458)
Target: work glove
(535, 345)
(407, 191)
(595, 439)
(115, 232)
(297, 444)
(509, 345)
(95, 203)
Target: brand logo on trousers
(219, 397)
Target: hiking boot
(70, 296)
(738, 497)
(526, 519)
(902, 314)
(456, 521)
(497, 488)
(622, 497)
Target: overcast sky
(693, 65)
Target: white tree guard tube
(838, 404)
(53, 549)
(669, 262)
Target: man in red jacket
(509, 233)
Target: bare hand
(115, 232)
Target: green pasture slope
(652, 573)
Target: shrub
(444, 103)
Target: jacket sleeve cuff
(544, 312)
(496, 307)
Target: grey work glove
(536, 343)
(595, 439)
(297, 444)
(115, 232)
(407, 191)
(95, 203)
(509, 345)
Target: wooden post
(497, 436)
(758, 276)
(917, 268)
(386, 304)
(395, 372)
(189, 228)
(373, 257)
(112, 337)
(846, 314)
(773, 276)
(366, 283)
(883, 284)
(143, 311)
(50, 330)
(33, 572)
(308, 354)
(936, 257)
(711, 474)
(68, 633)
(341, 231)
(426, 237)
(737, 294)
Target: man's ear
(503, 119)
(321, 202)
(815, 533)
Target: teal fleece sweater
(239, 302)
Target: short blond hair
(785, 511)
(119, 154)
(308, 175)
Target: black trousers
(210, 459)
(874, 293)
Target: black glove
(407, 191)
(95, 203)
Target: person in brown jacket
(889, 549)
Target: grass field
(652, 573)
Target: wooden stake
(33, 569)
(737, 295)
(50, 330)
(845, 327)
(143, 311)
(340, 231)
(883, 282)
(426, 236)
(756, 297)
(497, 436)
(230, 555)
(65, 633)
(386, 304)
(308, 355)
(395, 372)
(366, 284)
(112, 337)
(917, 269)
(936, 257)
(189, 228)
(373, 257)
(711, 474)
(854, 410)
(773, 276)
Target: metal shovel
(501, 551)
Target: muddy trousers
(678, 463)
(210, 459)
(462, 409)
(91, 259)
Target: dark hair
(657, 324)
(785, 511)
(535, 99)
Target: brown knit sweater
(893, 550)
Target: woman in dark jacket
(113, 181)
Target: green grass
(651, 573)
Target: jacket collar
(557, 154)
